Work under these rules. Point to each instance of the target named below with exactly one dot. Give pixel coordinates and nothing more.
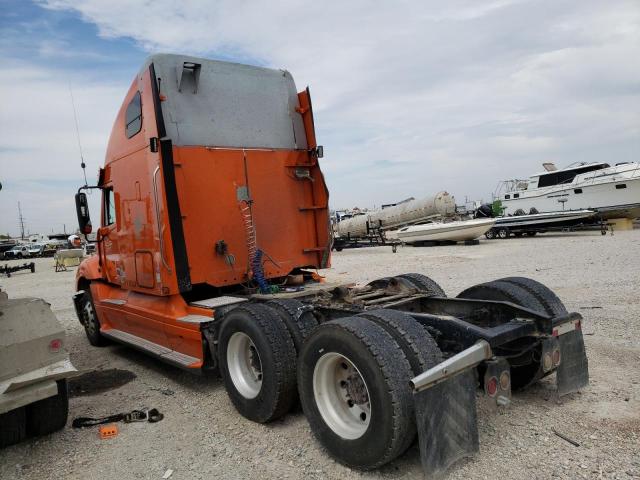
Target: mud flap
(447, 422)
(573, 371)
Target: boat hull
(445, 232)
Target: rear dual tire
(257, 359)
(353, 386)
(527, 293)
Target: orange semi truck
(214, 218)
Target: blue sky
(410, 97)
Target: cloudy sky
(409, 97)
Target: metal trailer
(521, 224)
(504, 231)
(210, 215)
(34, 367)
(9, 269)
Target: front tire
(90, 320)
(257, 359)
(353, 383)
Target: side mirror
(320, 151)
(82, 209)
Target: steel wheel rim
(91, 319)
(244, 365)
(341, 396)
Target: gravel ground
(202, 436)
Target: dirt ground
(202, 436)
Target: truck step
(114, 301)
(195, 319)
(217, 302)
(171, 356)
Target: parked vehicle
(19, 251)
(6, 245)
(34, 367)
(36, 249)
(206, 218)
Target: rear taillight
(55, 345)
(492, 386)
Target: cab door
(108, 236)
(109, 253)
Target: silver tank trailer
(354, 226)
(412, 211)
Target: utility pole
(20, 222)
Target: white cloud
(39, 155)
(411, 97)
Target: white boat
(613, 192)
(445, 232)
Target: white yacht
(611, 191)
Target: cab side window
(133, 116)
(109, 207)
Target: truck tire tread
(549, 300)
(425, 284)
(299, 321)
(418, 345)
(277, 355)
(13, 427)
(50, 414)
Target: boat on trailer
(541, 223)
(611, 191)
(457, 231)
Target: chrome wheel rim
(244, 365)
(342, 396)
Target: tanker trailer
(356, 226)
(413, 211)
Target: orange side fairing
(153, 318)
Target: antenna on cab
(75, 118)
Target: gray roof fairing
(236, 106)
